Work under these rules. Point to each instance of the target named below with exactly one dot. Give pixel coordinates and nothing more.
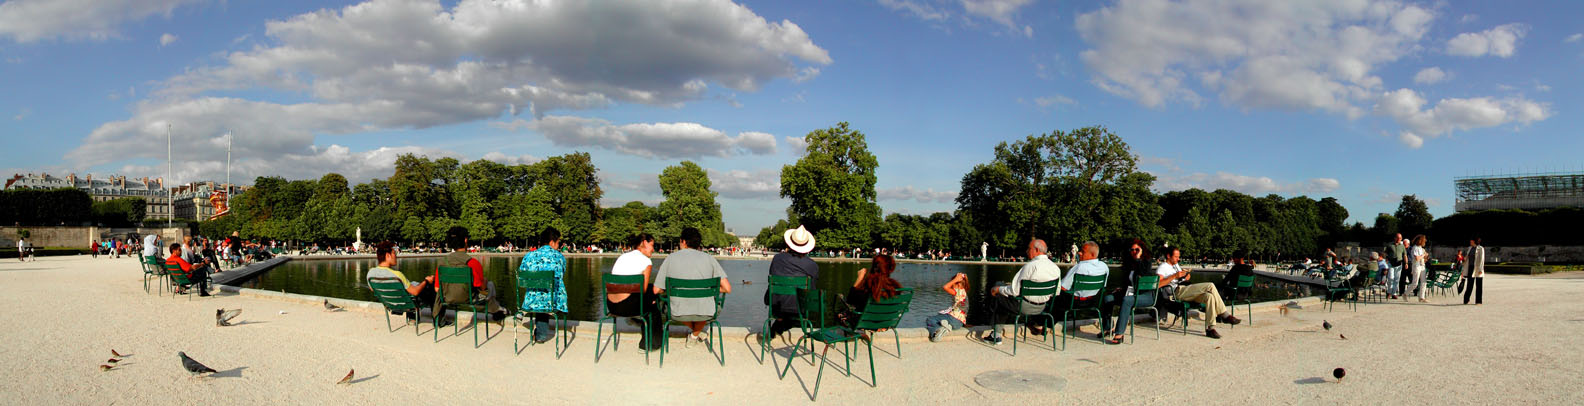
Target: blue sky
(1363, 100)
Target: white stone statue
(984, 251)
(358, 245)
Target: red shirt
(176, 259)
(478, 273)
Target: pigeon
(112, 361)
(1326, 324)
(1293, 305)
(105, 368)
(223, 317)
(1344, 336)
(1339, 373)
(346, 380)
(116, 354)
(330, 307)
(192, 366)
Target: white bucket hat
(799, 239)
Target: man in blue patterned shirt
(547, 258)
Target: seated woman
(876, 284)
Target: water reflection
(744, 307)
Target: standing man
(1173, 293)
(547, 258)
(1474, 271)
(793, 262)
(1396, 252)
(690, 263)
(21, 249)
(1004, 299)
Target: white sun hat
(799, 239)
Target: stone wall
(1539, 253)
(80, 237)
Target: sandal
(1115, 340)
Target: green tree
(689, 202)
(832, 187)
(1386, 227)
(1413, 216)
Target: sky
(1363, 100)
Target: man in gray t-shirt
(689, 263)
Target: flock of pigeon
(223, 318)
(1339, 373)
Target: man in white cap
(792, 262)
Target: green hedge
(46, 252)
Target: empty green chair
(693, 288)
(779, 285)
(178, 278)
(877, 315)
(1025, 290)
(622, 284)
(1338, 289)
(464, 276)
(811, 318)
(543, 281)
(1091, 303)
(1242, 287)
(393, 295)
(1144, 298)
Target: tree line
(69, 206)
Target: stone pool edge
(909, 334)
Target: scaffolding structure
(1534, 191)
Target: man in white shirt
(1004, 299)
(1204, 293)
(1088, 264)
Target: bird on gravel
(1339, 373)
(105, 368)
(1344, 336)
(112, 361)
(1326, 324)
(116, 354)
(192, 366)
(223, 317)
(346, 380)
(1293, 305)
(330, 307)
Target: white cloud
(167, 39)
(388, 64)
(921, 196)
(356, 166)
(1468, 18)
(1574, 38)
(1501, 41)
(1001, 12)
(654, 140)
(1252, 185)
(922, 10)
(1407, 107)
(1253, 53)
(1431, 75)
(502, 158)
(740, 184)
(799, 145)
(1055, 100)
(27, 21)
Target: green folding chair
(393, 295)
(811, 318)
(877, 315)
(178, 278)
(1244, 286)
(464, 276)
(1144, 298)
(1371, 285)
(543, 281)
(779, 285)
(1027, 289)
(1337, 289)
(1091, 303)
(621, 283)
(694, 288)
(153, 269)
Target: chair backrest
(1032, 288)
(152, 264)
(692, 288)
(1083, 282)
(811, 303)
(392, 293)
(1245, 281)
(1146, 284)
(885, 313)
(785, 285)
(456, 274)
(176, 273)
(541, 280)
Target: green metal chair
(693, 288)
(1338, 284)
(1243, 286)
(153, 269)
(1025, 290)
(608, 281)
(1182, 313)
(878, 315)
(779, 285)
(539, 281)
(1144, 298)
(393, 295)
(1372, 286)
(464, 276)
(178, 278)
(811, 318)
(1091, 303)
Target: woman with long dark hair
(1137, 262)
(874, 283)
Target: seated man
(1205, 293)
(459, 293)
(547, 258)
(195, 274)
(422, 292)
(1004, 299)
(690, 263)
(793, 262)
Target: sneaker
(945, 327)
(1210, 332)
(994, 338)
(1037, 331)
(935, 336)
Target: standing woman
(1474, 270)
(1417, 256)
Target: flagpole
(170, 200)
(228, 168)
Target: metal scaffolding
(1525, 191)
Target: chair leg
(872, 380)
(898, 338)
(821, 375)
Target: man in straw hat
(792, 262)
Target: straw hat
(799, 239)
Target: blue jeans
(1124, 317)
(933, 322)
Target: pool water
(745, 306)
